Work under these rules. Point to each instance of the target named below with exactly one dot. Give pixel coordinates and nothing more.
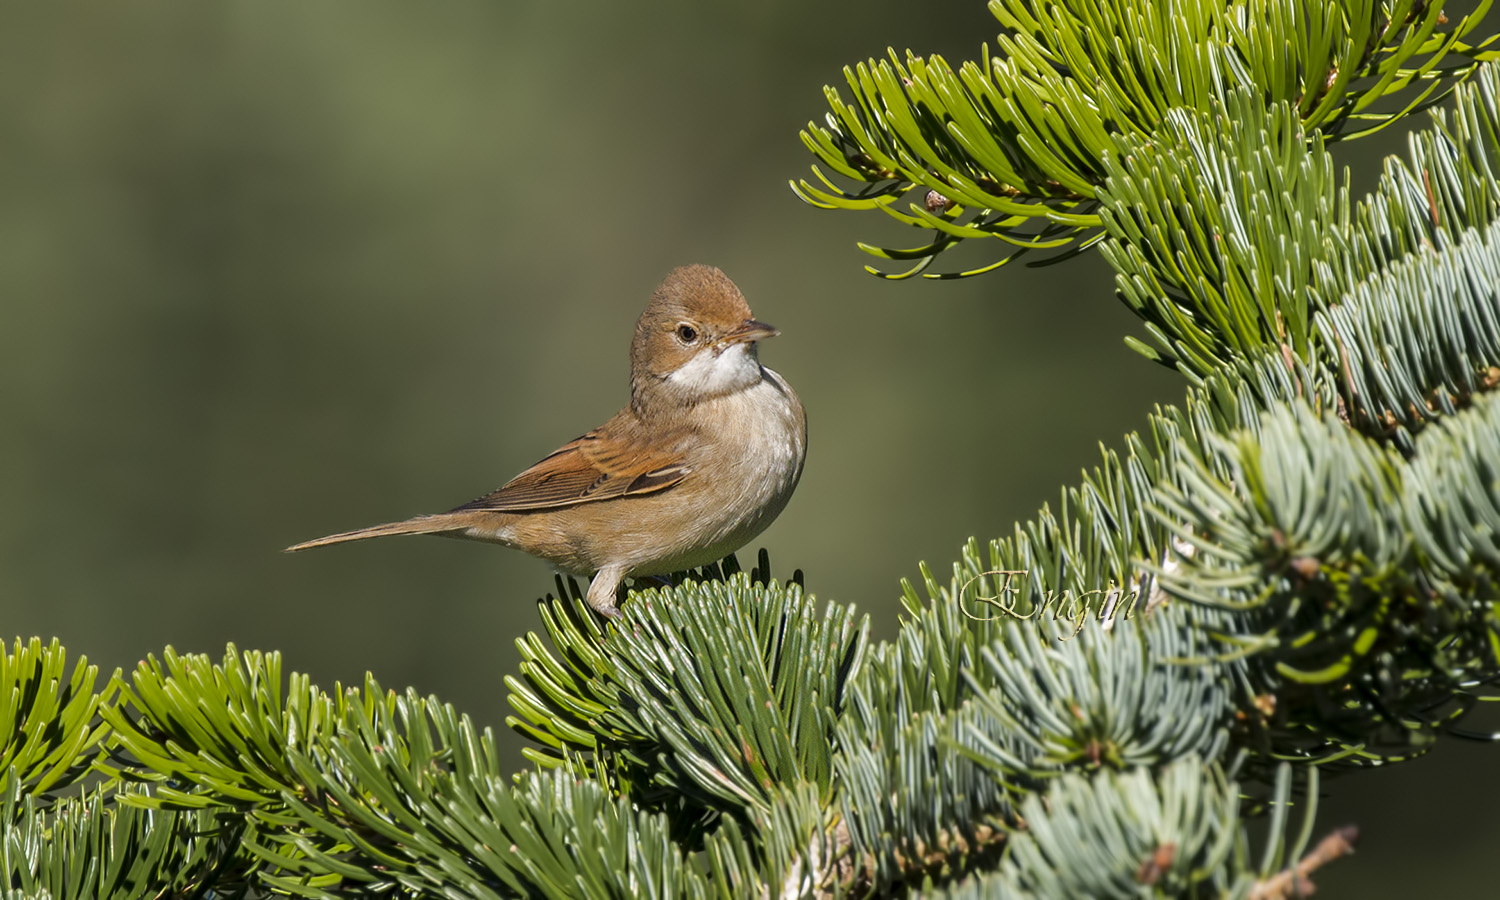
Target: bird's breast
(777, 438)
(751, 461)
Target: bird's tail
(420, 525)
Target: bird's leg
(602, 591)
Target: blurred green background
(275, 269)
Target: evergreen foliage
(1294, 570)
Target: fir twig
(1297, 881)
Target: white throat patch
(710, 374)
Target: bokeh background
(279, 268)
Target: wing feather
(591, 468)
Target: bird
(701, 460)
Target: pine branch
(1236, 242)
(1296, 882)
(47, 717)
(1016, 147)
(92, 848)
(703, 741)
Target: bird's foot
(603, 591)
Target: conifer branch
(1014, 146)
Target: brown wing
(593, 467)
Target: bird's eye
(687, 333)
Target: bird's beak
(750, 330)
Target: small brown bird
(703, 458)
